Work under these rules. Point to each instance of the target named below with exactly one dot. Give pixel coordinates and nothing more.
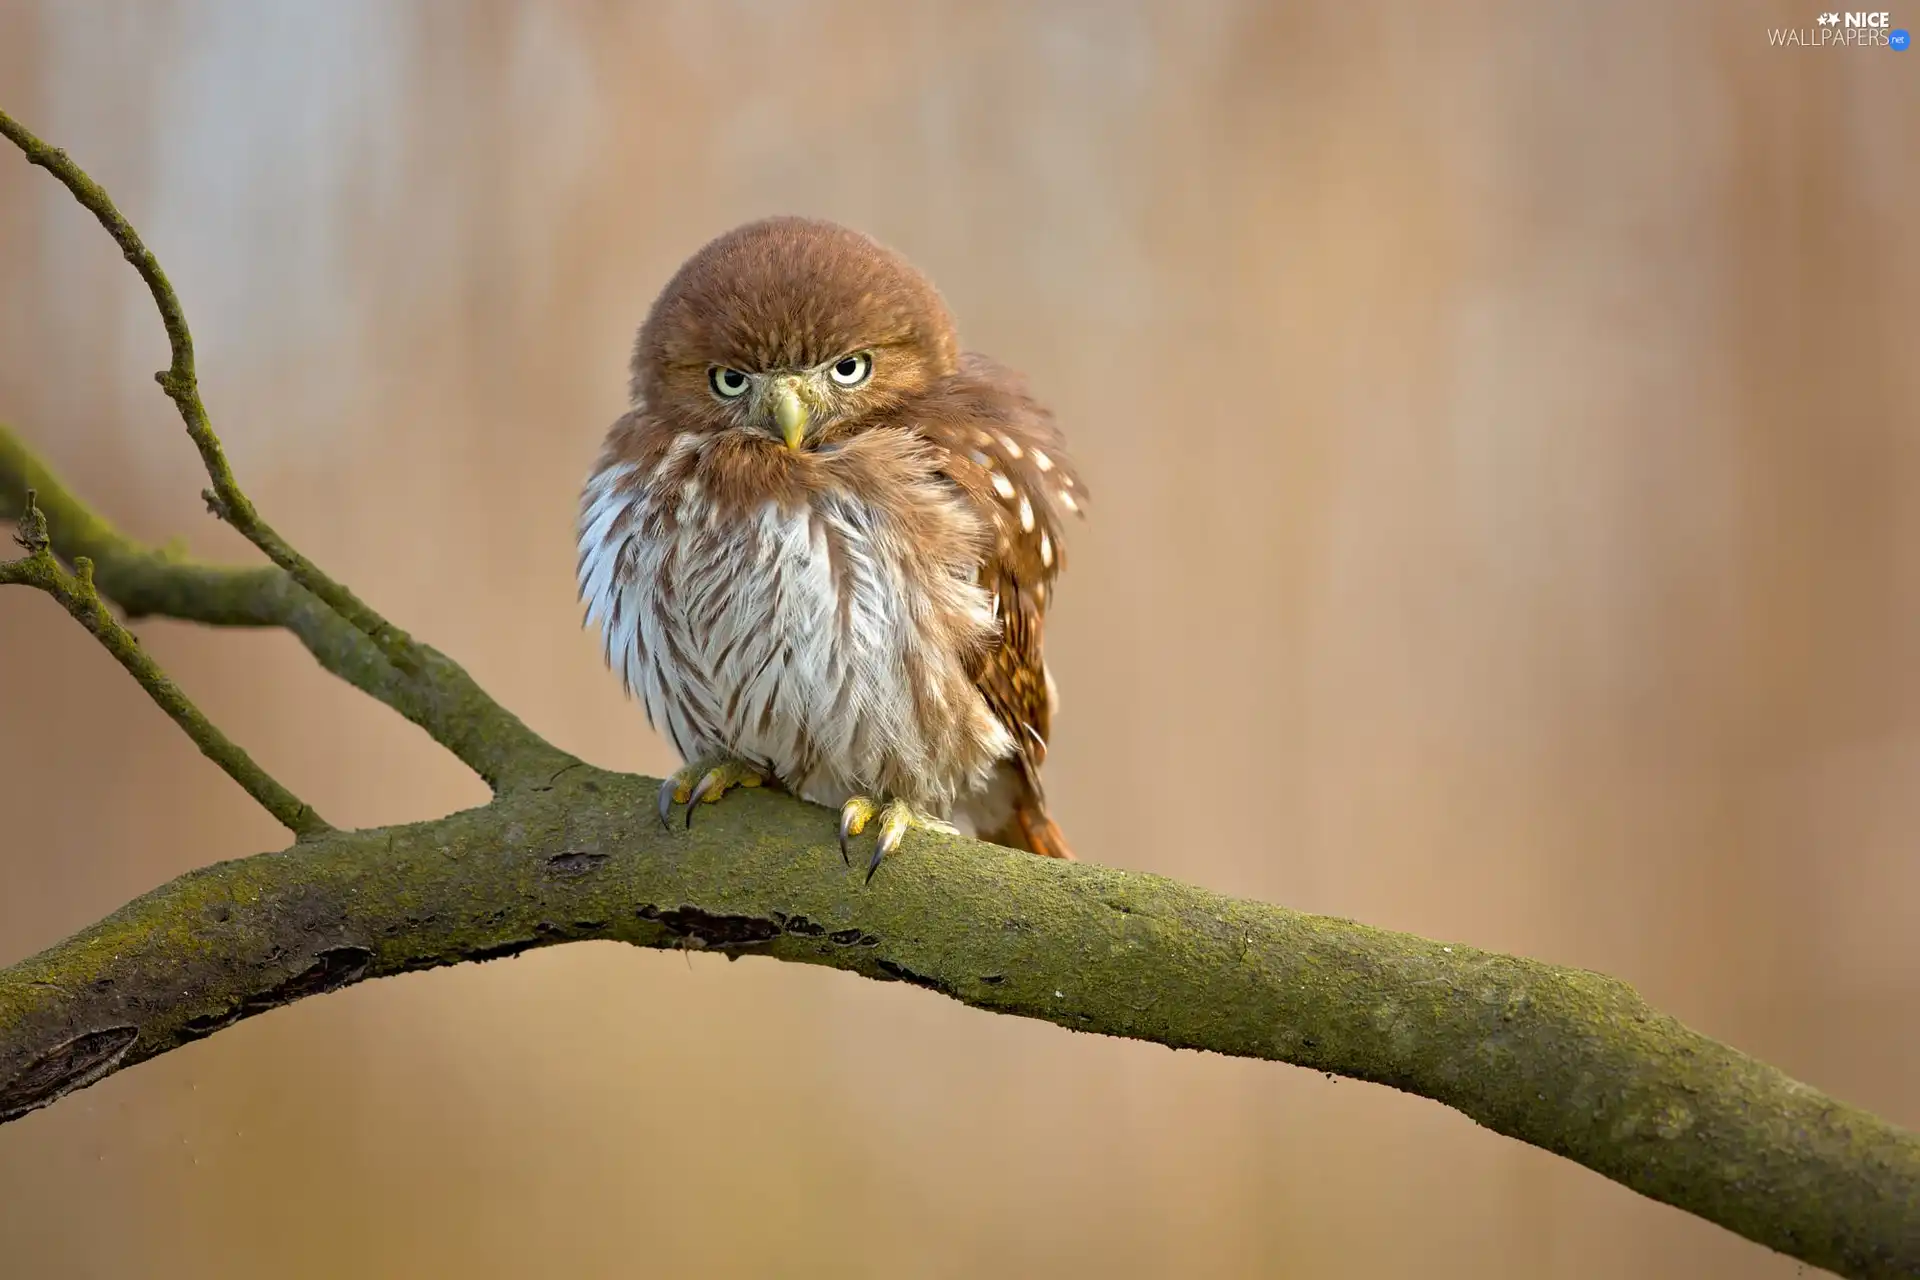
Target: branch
(435, 693)
(1569, 1061)
(75, 592)
(408, 657)
(181, 383)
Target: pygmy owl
(821, 543)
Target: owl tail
(1041, 834)
(1028, 826)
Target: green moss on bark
(1570, 1061)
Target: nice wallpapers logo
(1834, 30)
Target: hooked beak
(790, 412)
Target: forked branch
(76, 593)
(435, 692)
(181, 383)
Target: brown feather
(1004, 450)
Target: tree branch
(1569, 1061)
(75, 592)
(436, 693)
(181, 383)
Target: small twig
(145, 581)
(182, 386)
(75, 591)
(431, 689)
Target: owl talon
(704, 782)
(854, 816)
(896, 819)
(667, 797)
(893, 829)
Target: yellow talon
(896, 819)
(854, 816)
(704, 782)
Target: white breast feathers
(808, 641)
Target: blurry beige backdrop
(1503, 433)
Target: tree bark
(1573, 1062)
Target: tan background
(1507, 467)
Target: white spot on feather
(1042, 461)
(1026, 514)
(1046, 550)
(1012, 447)
(1066, 500)
(1002, 486)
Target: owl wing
(1004, 452)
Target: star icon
(1829, 19)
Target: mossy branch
(1571, 1062)
(75, 592)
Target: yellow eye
(728, 384)
(851, 371)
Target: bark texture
(1570, 1061)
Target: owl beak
(790, 412)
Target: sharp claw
(846, 821)
(700, 791)
(666, 804)
(893, 829)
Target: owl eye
(852, 370)
(728, 384)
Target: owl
(821, 544)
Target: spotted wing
(1003, 450)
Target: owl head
(793, 330)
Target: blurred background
(1502, 431)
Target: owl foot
(896, 818)
(704, 782)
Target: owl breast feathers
(822, 540)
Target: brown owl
(821, 544)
